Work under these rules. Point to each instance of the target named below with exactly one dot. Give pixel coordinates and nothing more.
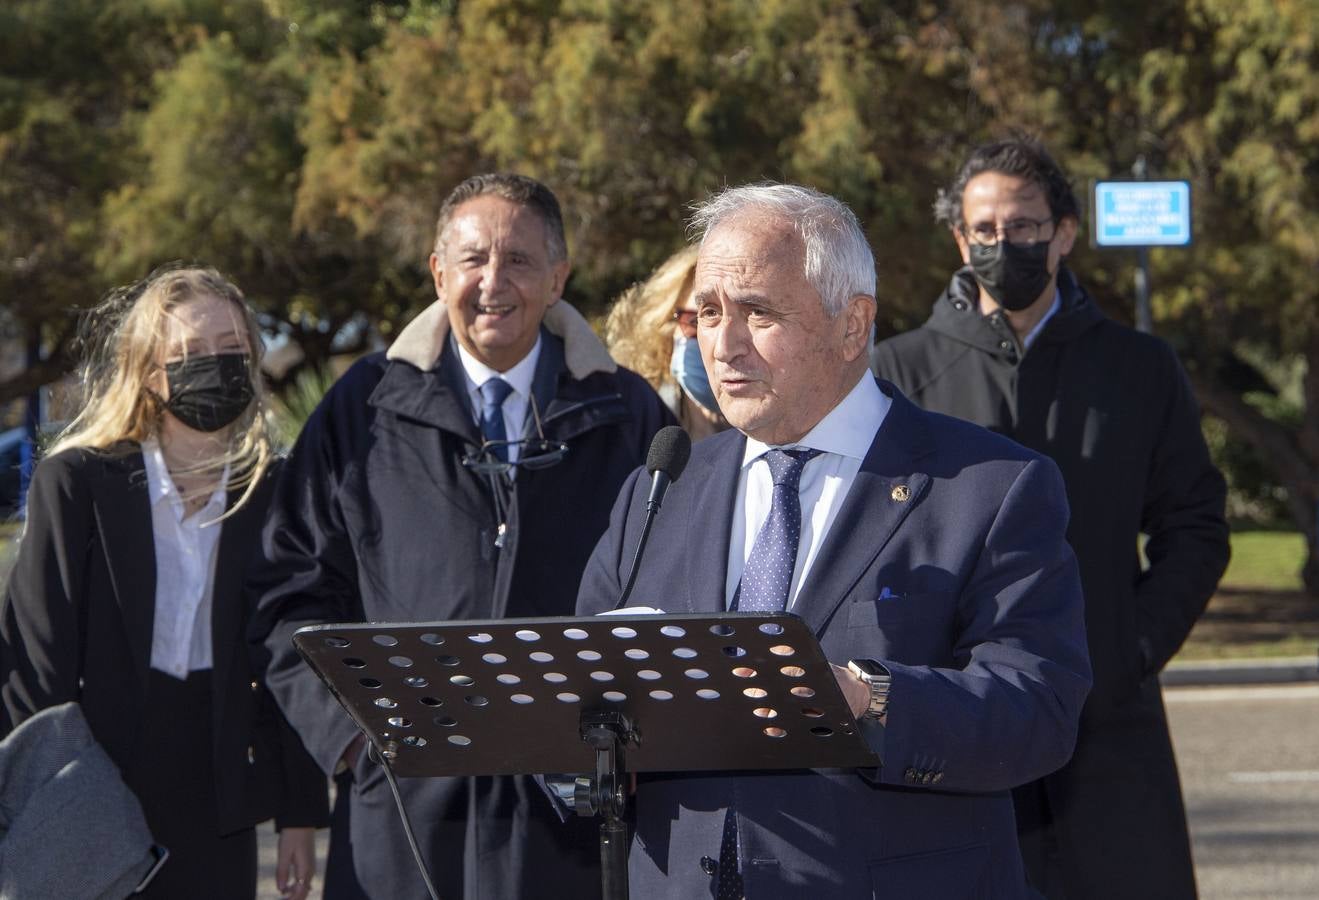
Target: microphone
(667, 458)
(668, 454)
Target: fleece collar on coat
(422, 341)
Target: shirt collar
(848, 429)
(519, 377)
(161, 487)
(1039, 326)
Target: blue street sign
(1142, 213)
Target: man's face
(993, 201)
(495, 276)
(777, 362)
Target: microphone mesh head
(669, 451)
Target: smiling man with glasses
(465, 474)
(1017, 345)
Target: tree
(68, 86)
(304, 146)
(631, 112)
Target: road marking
(1280, 777)
(1269, 692)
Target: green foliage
(295, 405)
(304, 146)
(1254, 496)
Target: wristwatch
(878, 678)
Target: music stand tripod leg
(605, 794)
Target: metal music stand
(606, 695)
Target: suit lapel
(123, 517)
(227, 597)
(887, 487)
(710, 526)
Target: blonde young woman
(127, 594)
(651, 330)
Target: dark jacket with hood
(1113, 408)
(377, 519)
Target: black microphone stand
(605, 794)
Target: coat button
(255, 686)
(708, 865)
(1005, 345)
(251, 755)
(960, 305)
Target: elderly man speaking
(927, 554)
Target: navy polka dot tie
(768, 573)
(493, 394)
(729, 886)
(765, 583)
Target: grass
(1260, 609)
(1265, 560)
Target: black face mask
(1014, 276)
(207, 393)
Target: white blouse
(185, 570)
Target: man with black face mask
(1015, 344)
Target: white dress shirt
(844, 437)
(517, 404)
(185, 549)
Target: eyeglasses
(1018, 232)
(533, 454)
(686, 319)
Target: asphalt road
(1249, 760)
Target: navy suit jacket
(963, 585)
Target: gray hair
(839, 264)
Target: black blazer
(77, 619)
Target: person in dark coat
(394, 508)
(127, 594)
(1015, 344)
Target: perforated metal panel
(730, 691)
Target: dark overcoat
(961, 585)
(77, 620)
(1113, 408)
(377, 519)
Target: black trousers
(173, 776)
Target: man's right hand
(353, 752)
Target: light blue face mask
(688, 370)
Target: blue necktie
(768, 573)
(493, 394)
(765, 583)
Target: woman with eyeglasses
(651, 330)
(127, 594)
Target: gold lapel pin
(901, 493)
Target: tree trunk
(54, 366)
